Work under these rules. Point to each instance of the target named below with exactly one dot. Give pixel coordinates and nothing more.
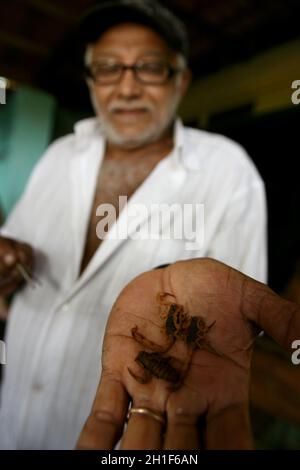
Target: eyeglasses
(146, 72)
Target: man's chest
(116, 178)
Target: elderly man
(136, 61)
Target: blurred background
(245, 56)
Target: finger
(229, 429)
(10, 282)
(182, 434)
(183, 431)
(104, 426)
(144, 431)
(8, 260)
(275, 315)
(25, 253)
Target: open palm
(209, 407)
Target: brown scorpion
(178, 325)
(154, 364)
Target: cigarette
(27, 276)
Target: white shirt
(54, 332)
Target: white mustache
(120, 106)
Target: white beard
(151, 134)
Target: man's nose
(129, 86)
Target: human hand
(215, 387)
(12, 253)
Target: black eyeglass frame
(171, 71)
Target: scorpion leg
(160, 298)
(145, 378)
(148, 344)
(171, 341)
(183, 370)
(209, 326)
(205, 344)
(187, 363)
(165, 304)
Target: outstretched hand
(208, 407)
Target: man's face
(134, 113)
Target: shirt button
(65, 307)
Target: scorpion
(154, 364)
(178, 325)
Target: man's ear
(186, 79)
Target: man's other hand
(13, 252)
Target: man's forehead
(131, 37)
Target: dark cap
(150, 13)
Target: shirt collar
(87, 127)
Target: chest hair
(116, 178)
